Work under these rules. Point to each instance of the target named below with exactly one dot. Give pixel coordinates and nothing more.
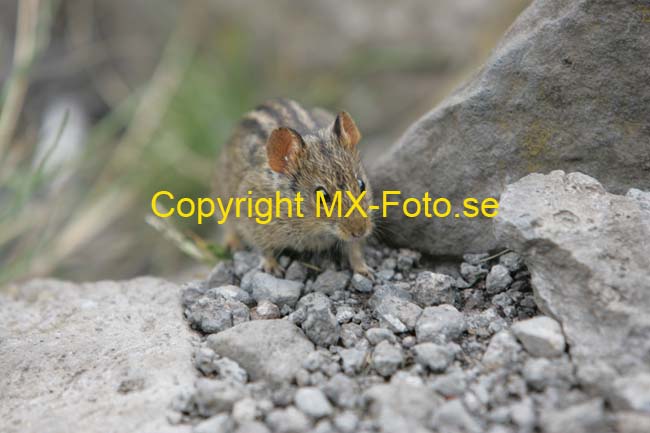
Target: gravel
(216, 396)
(229, 370)
(245, 410)
(263, 286)
(452, 384)
(222, 274)
(632, 392)
(320, 323)
(265, 310)
(353, 360)
(584, 417)
(434, 289)
(541, 336)
(216, 424)
(245, 261)
(435, 357)
(352, 335)
(296, 272)
(453, 416)
(289, 420)
(377, 335)
(386, 358)
(252, 427)
(540, 373)
(393, 310)
(232, 293)
(361, 284)
(337, 352)
(512, 261)
(498, 279)
(267, 349)
(440, 324)
(503, 351)
(343, 391)
(311, 401)
(209, 314)
(472, 273)
(346, 422)
(331, 281)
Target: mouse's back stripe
(256, 126)
(260, 122)
(304, 117)
(289, 113)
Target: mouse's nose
(356, 228)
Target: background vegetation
(105, 102)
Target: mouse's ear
(283, 146)
(346, 130)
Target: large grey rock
(267, 349)
(565, 89)
(589, 258)
(100, 357)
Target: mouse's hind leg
(270, 264)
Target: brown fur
(280, 146)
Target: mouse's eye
(362, 184)
(321, 191)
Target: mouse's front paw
(365, 270)
(271, 266)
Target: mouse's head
(325, 167)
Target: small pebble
(311, 401)
(265, 310)
(386, 358)
(498, 279)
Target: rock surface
(545, 100)
(100, 357)
(460, 368)
(268, 349)
(589, 263)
